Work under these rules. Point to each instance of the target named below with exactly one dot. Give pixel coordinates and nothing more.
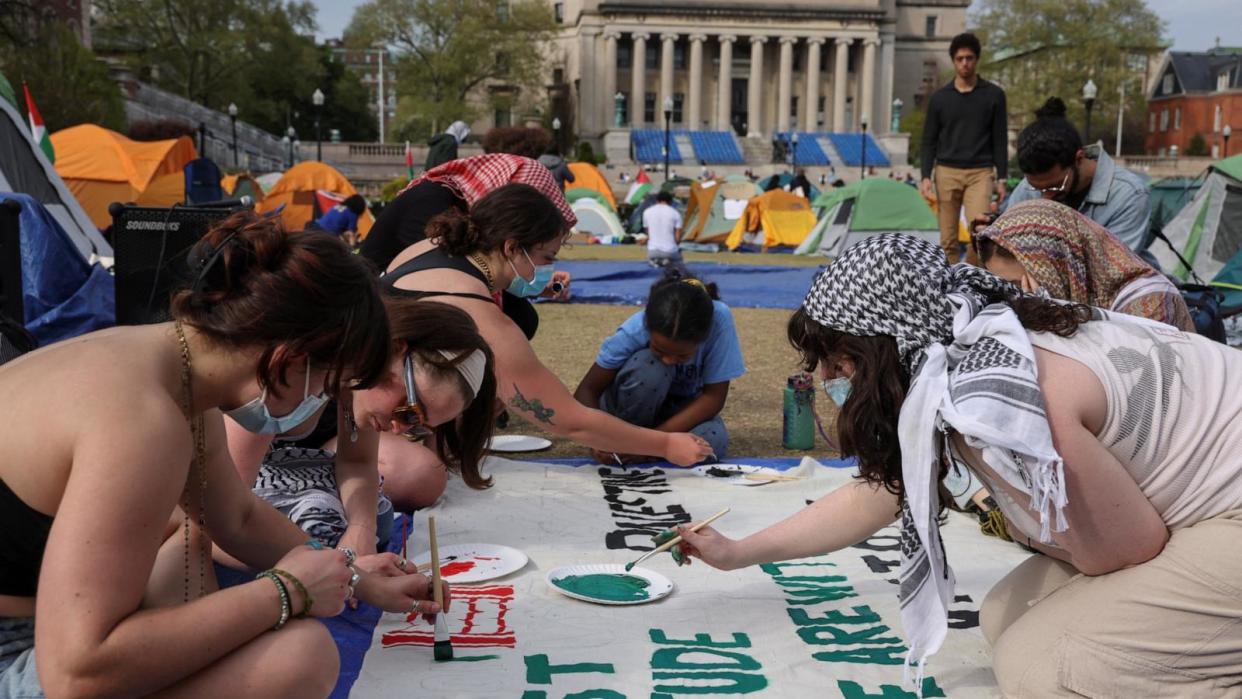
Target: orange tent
(102, 166)
(296, 191)
(588, 176)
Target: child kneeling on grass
(668, 367)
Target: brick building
(1196, 93)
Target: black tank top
(435, 258)
(23, 537)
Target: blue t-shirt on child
(718, 359)
(338, 219)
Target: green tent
(6, 90)
(573, 195)
(1207, 232)
(866, 208)
(1169, 196)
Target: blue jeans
(18, 678)
(639, 395)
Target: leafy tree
(1060, 44)
(1197, 145)
(69, 85)
(912, 123)
(449, 50)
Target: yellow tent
(102, 166)
(296, 191)
(784, 218)
(588, 176)
(242, 184)
(164, 191)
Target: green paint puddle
(610, 587)
(471, 658)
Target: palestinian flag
(409, 160)
(38, 132)
(641, 188)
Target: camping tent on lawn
(242, 185)
(1169, 196)
(1208, 231)
(587, 176)
(715, 207)
(268, 181)
(596, 219)
(101, 166)
(784, 218)
(574, 194)
(24, 169)
(197, 183)
(866, 208)
(296, 191)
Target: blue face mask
(255, 417)
(838, 390)
(522, 287)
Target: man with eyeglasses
(1058, 167)
(965, 139)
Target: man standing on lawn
(965, 139)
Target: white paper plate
(471, 563)
(658, 585)
(517, 442)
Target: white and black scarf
(972, 369)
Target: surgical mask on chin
(255, 417)
(838, 389)
(522, 287)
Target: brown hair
(513, 211)
(427, 327)
(867, 423)
(517, 140)
(254, 285)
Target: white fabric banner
(821, 627)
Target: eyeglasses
(1064, 186)
(412, 414)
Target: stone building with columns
(753, 67)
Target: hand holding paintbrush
(674, 541)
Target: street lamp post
(556, 132)
(1088, 98)
(317, 100)
(291, 135)
(896, 125)
(1226, 132)
(233, 124)
(668, 123)
(863, 170)
(793, 138)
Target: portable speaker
(150, 245)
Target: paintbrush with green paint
(443, 649)
(675, 540)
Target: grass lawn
(581, 251)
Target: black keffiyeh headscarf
(972, 369)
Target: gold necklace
(481, 262)
(199, 464)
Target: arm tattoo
(534, 407)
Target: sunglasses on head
(412, 414)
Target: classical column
(867, 108)
(587, 119)
(813, 61)
(724, 89)
(784, 90)
(666, 74)
(638, 71)
(694, 121)
(887, 59)
(838, 82)
(754, 87)
(609, 77)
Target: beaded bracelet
(315, 544)
(284, 597)
(297, 584)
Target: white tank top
(1174, 412)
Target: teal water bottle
(799, 432)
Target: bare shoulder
(1071, 391)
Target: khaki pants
(1170, 627)
(955, 188)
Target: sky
(1193, 25)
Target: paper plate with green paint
(609, 583)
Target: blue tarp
(63, 295)
(741, 286)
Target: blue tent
(63, 296)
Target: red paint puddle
(456, 567)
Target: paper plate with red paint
(471, 563)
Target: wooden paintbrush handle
(677, 539)
(436, 592)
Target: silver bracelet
(285, 607)
(350, 556)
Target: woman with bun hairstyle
(105, 437)
(509, 241)
(328, 480)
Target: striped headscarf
(472, 178)
(1072, 257)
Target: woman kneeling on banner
(104, 437)
(1111, 442)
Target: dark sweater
(966, 129)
